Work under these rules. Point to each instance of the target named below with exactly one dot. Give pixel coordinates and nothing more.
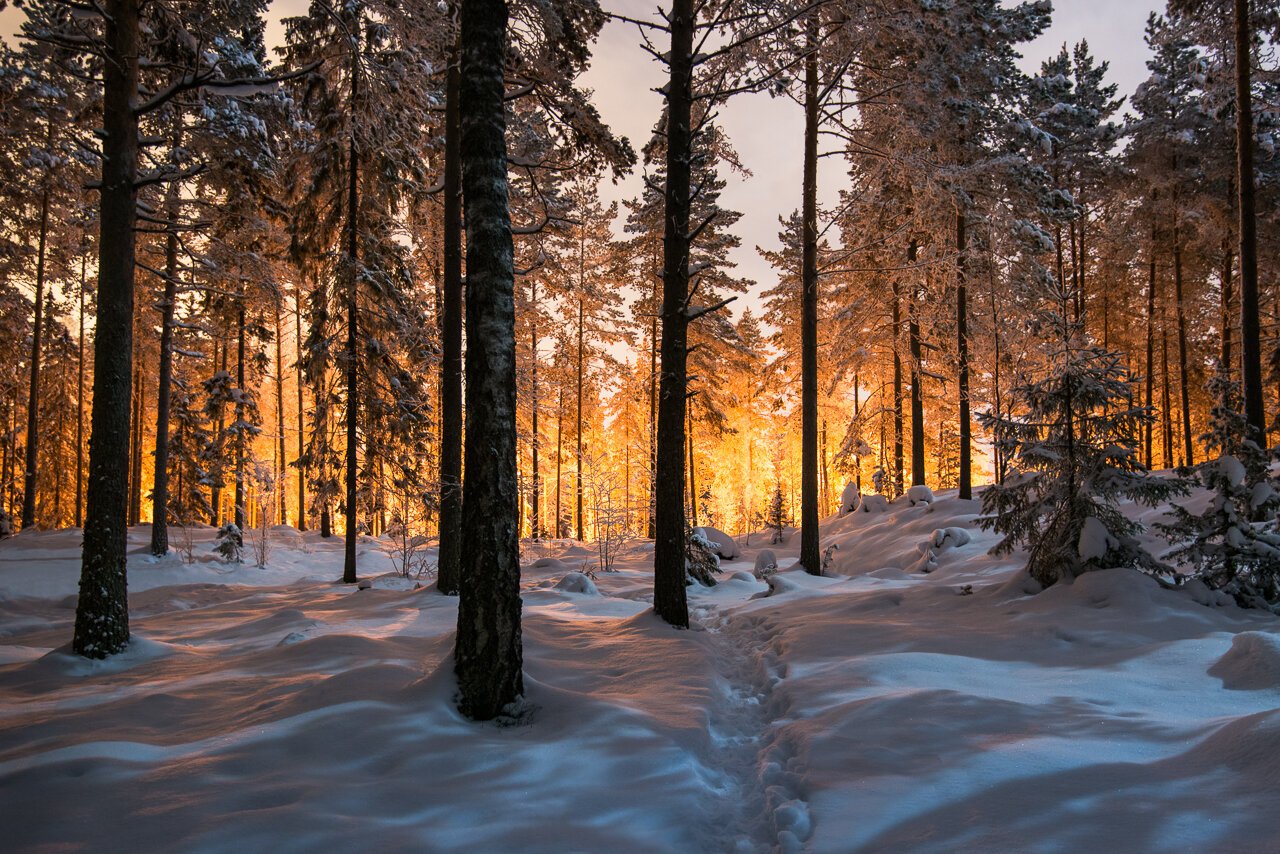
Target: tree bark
(916, 354)
(669, 597)
(164, 386)
(898, 465)
(488, 656)
(102, 611)
(448, 576)
(80, 396)
(1183, 380)
(282, 494)
(535, 511)
(810, 545)
(242, 441)
(297, 373)
(1151, 344)
(582, 316)
(37, 342)
(1250, 328)
(353, 316)
(962, 356)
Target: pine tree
(488, 654)
(1074, 454)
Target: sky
(767, 132)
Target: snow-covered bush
(766, 563)
(1233, 544)
(700, 559)
(1073, 448)
(405, 540)
(849, 498)
(874, 504)
(266, 498)
(229, 542)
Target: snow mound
(920, 494)
(549, 563)
(724, 545)
(1252, 663)
(1095, 540)
(873, 504)
(577, 582)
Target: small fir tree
(701, 559)
(1075, 457)
(777, 514)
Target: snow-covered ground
(883, 709)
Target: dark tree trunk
(488, 656)
(282, 494)
(302, 469)
(242, 441)
(535, 510)
(559, 528)
(962, 345)
(898, 466)
(353, 329)
(164, 386)
(135, 477)
(1151, 352)
(33, 392)
(580, 451)
(1183, 368)
(916, 354)
(1250, 331)
(1228, 266)
(1167, 393)
(669, 597)
(693, 485)
(102, 611)
(80, 398)
(810, 546)
(216, 490)
(448, 578)
(651, 531)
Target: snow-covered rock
(1252, 663)
(577, 582)
(725, 546)
(920, 494)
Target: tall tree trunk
(559, 463)
(215, 499)
(297, 371)
(37, 343)
(693, 486)
(651, 531)
(353, 332)
(810, 546)
(1167, 393)
(488, 656)
(1183, 381)
(164, 385)
(582, 316)
(1250, 329)
(535, 527)
(102, 611)
(242, 441)
(669, 597)
(1228, 267)
(1151, 344)
(135, 453)
(916, 354)
(898, 463)
(449, 574)
(80, 395)
(962, 357)
(281, 466)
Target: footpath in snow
(917, 700)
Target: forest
(342, 293)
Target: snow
(849, 498)
(873, 710)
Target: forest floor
(880, 709)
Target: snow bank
(725, 545)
